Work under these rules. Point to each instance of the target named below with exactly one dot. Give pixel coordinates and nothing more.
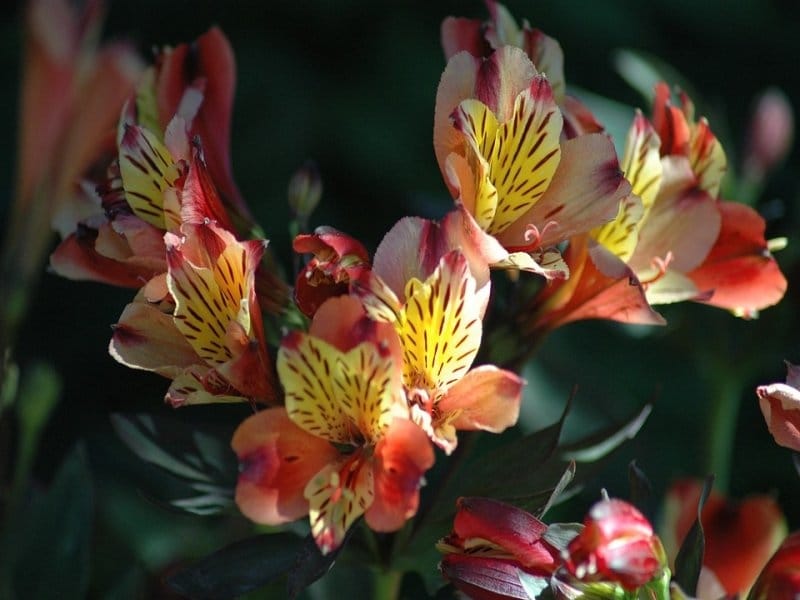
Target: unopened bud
(305, 191)
(771, 133)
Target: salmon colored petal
(146, 338)
(739, 269)
(401, 458)
(486, 398)
(600, 287)
(277, 460)
(337, 495)
(684, 225)
(585, 192)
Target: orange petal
(486, 398)
(278, 459)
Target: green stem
(723, 414)
(387, 584)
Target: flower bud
(771, 132)
(616, 546)
(305, 191)
(780, 404)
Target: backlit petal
(486, 398)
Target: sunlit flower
(490, 545)
(739, 536)
(343, 446)
(438, 320)
(780, 579)
(481, 38)
(616, 545)
(780, 405)
(211, 340)
(498, 140)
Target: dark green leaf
(240, 567)
(796, 461)
(54, 533)
(311, 564)
(690, 556)
(195, 467)
(641, 488)
(598, 445)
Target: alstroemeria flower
(211, 342)
(780, 405)
(497, 137)
(338, 259)
(439, 324)
(343, 446)
(739, 536)
(490, 545)
(481, 38)
(780, 579)
(616, 545)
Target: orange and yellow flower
(343, 445)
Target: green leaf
(558, 491)
(690, 556)
(51, 539)
(239, 568)
(195, 467)
(599, 445)
(796, 461)
(643, 71)
(641, 488)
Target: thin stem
(723, 414)
(387, 584)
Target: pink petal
(146, 338)
(685, 225)
(483, 578)
(277, 460)
(780, 405)
(486, 398)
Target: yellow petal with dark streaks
(479, 126)
(643, 169)
(337, 496)
(148, 171)
(514, 161)
(208, 298)
(707, 158)
(344, 398)
(440, 326)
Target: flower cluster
(379, 364)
